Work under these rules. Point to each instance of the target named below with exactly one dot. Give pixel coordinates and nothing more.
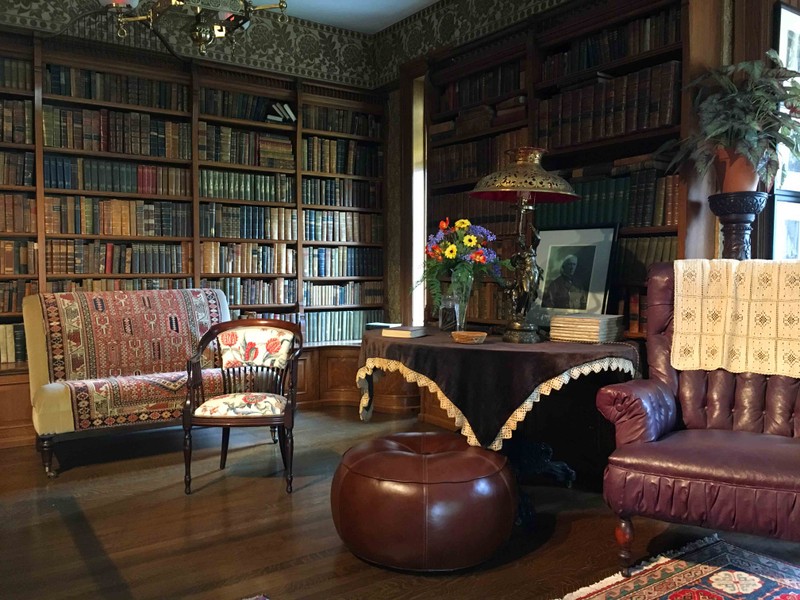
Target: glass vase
(459, 292)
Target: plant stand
(736, 212)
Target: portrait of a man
(567, 277)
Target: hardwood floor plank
(116, 524)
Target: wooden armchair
(258, 359)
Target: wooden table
(487, 388)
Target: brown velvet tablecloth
(488, 388)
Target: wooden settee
(110, 361)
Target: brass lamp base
(520, 332)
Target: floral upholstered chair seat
(245, 404)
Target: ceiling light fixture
(209, 24)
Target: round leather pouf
(423, 501)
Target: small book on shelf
(404, 331)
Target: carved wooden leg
(45, 445)
(226, 437)
(273, 431)
(187, 458)
(282, 440)
(624, 535)
(289, 453)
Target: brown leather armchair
(709, 448)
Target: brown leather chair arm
(641, 410)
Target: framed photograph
(576, 264)
(787, 42)
(786, 233)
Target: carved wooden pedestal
(736, 212)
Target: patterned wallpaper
(297, 48)
(392, 211)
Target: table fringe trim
(507, 430)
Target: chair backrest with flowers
(255, 355)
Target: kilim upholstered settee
(103, 361)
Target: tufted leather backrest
(715, 399)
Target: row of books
(16, 74)
(119, 89)
(483, 86)
(17, 213)
(487, 302)
(113, 285)
(112, 131)
(248, 257)
(16, 168)
(613, 43)
(342, 261)
(636, 310)
(352, 292)
(238, 105)
(235, 185)
(337, 226)
(102, 216)
(12, 293)
(12, 343)
(16, 121)
(645, 99)
(341, 120)
(249, 222)
(497, 217)
(241, 291)
(338, 325)
(642, 199)
(341, 192)
(635, 254)
(238, 146)
(470, 160)
(85, 257)
(18, 257)
(89, 174)
(346, 157)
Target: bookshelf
(341, 162)
(600, 89)
(248, 215)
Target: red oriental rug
(708, 569)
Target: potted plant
(744, 112)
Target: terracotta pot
(734, 172)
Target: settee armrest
(641, 410)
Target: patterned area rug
(708, 569)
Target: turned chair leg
(289, 455)
(187, 458)
(45, 445)
(226, 436)
(273, 431)
(624, 536)
(282, 446)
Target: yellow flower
(462, 224)
(470, 241)
(451, 251)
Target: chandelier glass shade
(209, 24)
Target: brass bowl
(468, 337)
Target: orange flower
(478, 256)
(273, 345)
(444, 224)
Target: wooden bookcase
(120, 172)
(602, 91)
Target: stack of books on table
(593, 328)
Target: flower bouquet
(460, 253)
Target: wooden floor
(116, 524)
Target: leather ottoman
(423, 501)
